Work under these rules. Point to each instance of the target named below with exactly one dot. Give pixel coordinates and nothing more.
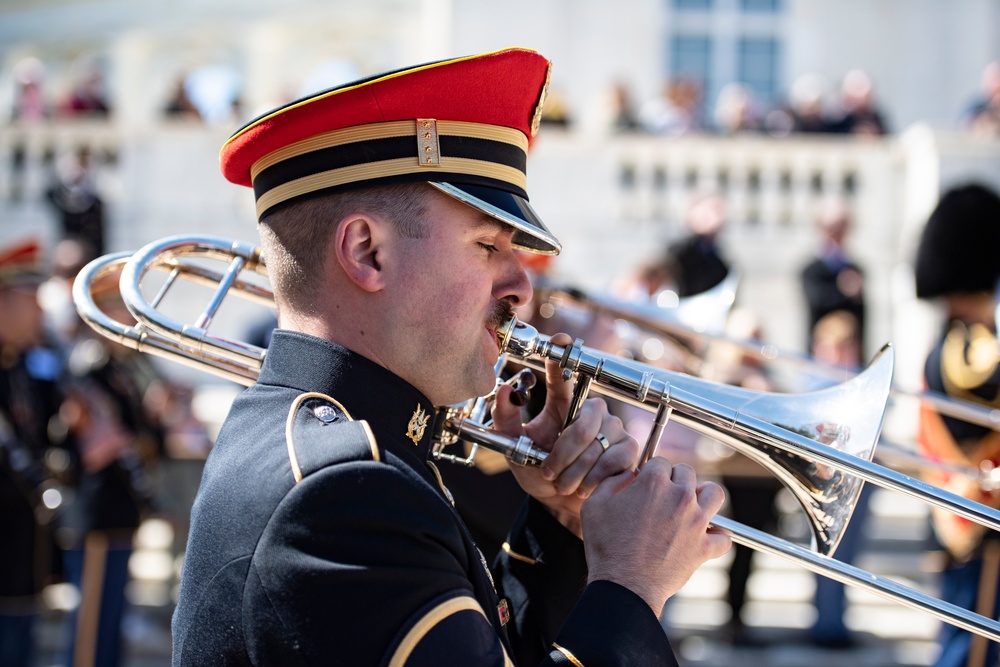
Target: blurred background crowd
(751, 171)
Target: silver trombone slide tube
(987, 476)
(621, 380)
(239, 255)
(522, 452)
(851, 575)
(139, 337)
(659, 321)
(955, 407)
(519, 451)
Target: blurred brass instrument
(691, 336)
(819, 443)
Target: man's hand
(578, 460)
(649, 531)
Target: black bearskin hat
(960, 246)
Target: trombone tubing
(675, 331)
(242, 369)
(722, 422)
(708, 417)
(194, 355)
(852, 575)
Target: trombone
(815, 442)
(692, 335)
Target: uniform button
(325, 414)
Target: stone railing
(612, 200)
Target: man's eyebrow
(487, 221)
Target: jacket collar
(396, 411)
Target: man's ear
(358, 241)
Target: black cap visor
(530, 234)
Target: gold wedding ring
(603, 440)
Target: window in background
(693, 4)
(718, 42)
(691, 58)
(758, 61)
(772, 6)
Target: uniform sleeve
(557, 616)
(362, 564)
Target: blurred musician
(112, 393)
(832, 281)
(35, 452)
(695, 263)
(958, 262)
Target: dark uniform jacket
(322, 535)
(31, 436)
(954, 369)
(823, 294)
(114, 381)
(696, 265)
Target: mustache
(501, 312)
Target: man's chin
(470, 390)
(484, 386)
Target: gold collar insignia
(418, 422)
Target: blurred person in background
(859, 114)
(112, 392)
(88, 98)
(624, 115)
(77, 202)
(30, 103)
(30, 107)
(982, 115)
(676, 111)
(751, 489)
(836, 339)
(692, 266)
(36, 452)
(735, 110)
(179, 104)
(833, 288)
(807, 105)
(55, 295)
(695, 263)
(958, 266)
(832, 281)
(557, 112)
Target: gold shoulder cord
(969, 357)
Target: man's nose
(514, 285)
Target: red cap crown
(463, 124)
(21, 263)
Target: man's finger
(506, 415)
(557, 389)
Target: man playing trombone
(389, 212)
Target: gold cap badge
(418, 422)
(536, 118)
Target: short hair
(294, 238)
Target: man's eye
(488, 247)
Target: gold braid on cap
(397, 151)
